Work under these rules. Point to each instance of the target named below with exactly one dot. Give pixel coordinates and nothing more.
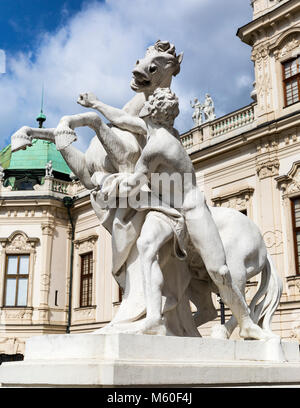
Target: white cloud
(244, 81)
(97, 48)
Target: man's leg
(154, 234)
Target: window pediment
(287, 45)
(19, 241)
(290, 183)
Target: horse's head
(156, 69)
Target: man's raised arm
(117, 117)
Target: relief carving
(260, 53)
(83, 314)
(295, 332)
(45, 280)
(15, 314)
(267, 163)
(12, 345)
(290, 182)
(286, 46)
(19, 241)
(48, 228)
(267, 168)
(239, 200)
(86, 244)
(272, 238)
(293, 283)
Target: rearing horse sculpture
(116, 149)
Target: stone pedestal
(102, 360)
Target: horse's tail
(270, 289)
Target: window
(16, 280)
(291, 80)
(296, 225)
(86, 280)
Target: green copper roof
(5, 155)
(34, 157)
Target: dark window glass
(296, 227)
(86, 280)
(291, 80)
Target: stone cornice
(260, 24)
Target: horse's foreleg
(120, 151)
(24, 136)
(65, 135)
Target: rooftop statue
(2, 174)
(182, 250)
(49, 169)
(207, 109)
(197, 114)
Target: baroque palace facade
(55, 258)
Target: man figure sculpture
(164, 153)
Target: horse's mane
(165, 47)
(162, 46)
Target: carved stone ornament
(293, 283)
(272, 238)
(287, 45)
(290, 182)
(84, 314)
(12, 345)
(260, 53)
(267, 163)
(267, 168)
(48, 228)
(19, 241)
(15, 314)
(237, 200)
(86, 244)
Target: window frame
(295, 230)
(290, 79)
(88, 276)
(16, 277)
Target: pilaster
(48, 229)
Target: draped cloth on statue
(124, 218)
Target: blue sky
(73, 46)
(22, 21)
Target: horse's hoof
(254, 332)
(219, 331)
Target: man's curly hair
(163, 107)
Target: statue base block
(102, 360)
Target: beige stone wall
(36, 227)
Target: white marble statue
(197, 114)
(208, 109)
(194, 249)
(2, 174)
(49, 169)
